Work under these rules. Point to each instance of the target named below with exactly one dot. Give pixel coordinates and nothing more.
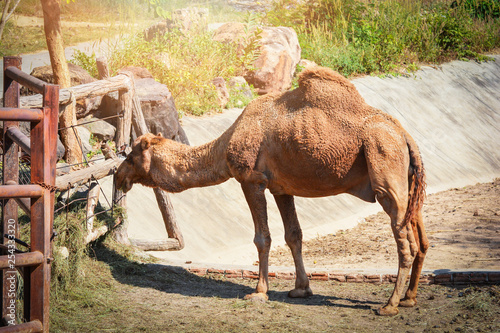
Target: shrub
(187, 63)
(356, 37)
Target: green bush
(187, 63)
(358, 37)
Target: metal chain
(51, 188)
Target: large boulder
(78, 76)
(138, 72)
(279, 54)
(159, 110)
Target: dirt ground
(462, 225)
(463, 229)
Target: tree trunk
(53, 35)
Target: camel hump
(328, 90)
(314, 75)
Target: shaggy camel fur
(318, 140)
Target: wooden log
(92, 200)
(96, 233)
(102, 68)
(138, 120)
(169, 244)
(125, 122)
(167, 212)
(82, 176)
(176, 241)
(122, 81)
(120, 233)
(107, 151)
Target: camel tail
(417, 181)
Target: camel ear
(159, 134)
(145, 143)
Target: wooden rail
(132, 117)
(42, 146)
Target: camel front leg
(254, 194)
(293, 238)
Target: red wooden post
(43, 160)
(9, 212)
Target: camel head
(136, 167)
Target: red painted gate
(33, 265)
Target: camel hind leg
(410, 298)
(406, 246)
(293, 238)
(388, 163)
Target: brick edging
(455, 278)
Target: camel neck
(199, 166)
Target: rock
(86, 106)
(240, 91)
(231, 32)
(78, 76)
(304, 63)
(222, 92)
(101, 129)
(62, 168)
(60, 148)
(62, 251)
(240, 85)
(139, 72)
(251, 5)
(191, 18)
(185, 19)
(159, 109)
(84, 135)
(157, 29)
(279, 55)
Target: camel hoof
(256, 297)
(387, 311)
(300, 293)
(408, 302)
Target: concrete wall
(453, 112)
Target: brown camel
(318, 140)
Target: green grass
(351, 36)
(364, 37)
(187, 64)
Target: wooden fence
(42, 111)
(130, 115)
